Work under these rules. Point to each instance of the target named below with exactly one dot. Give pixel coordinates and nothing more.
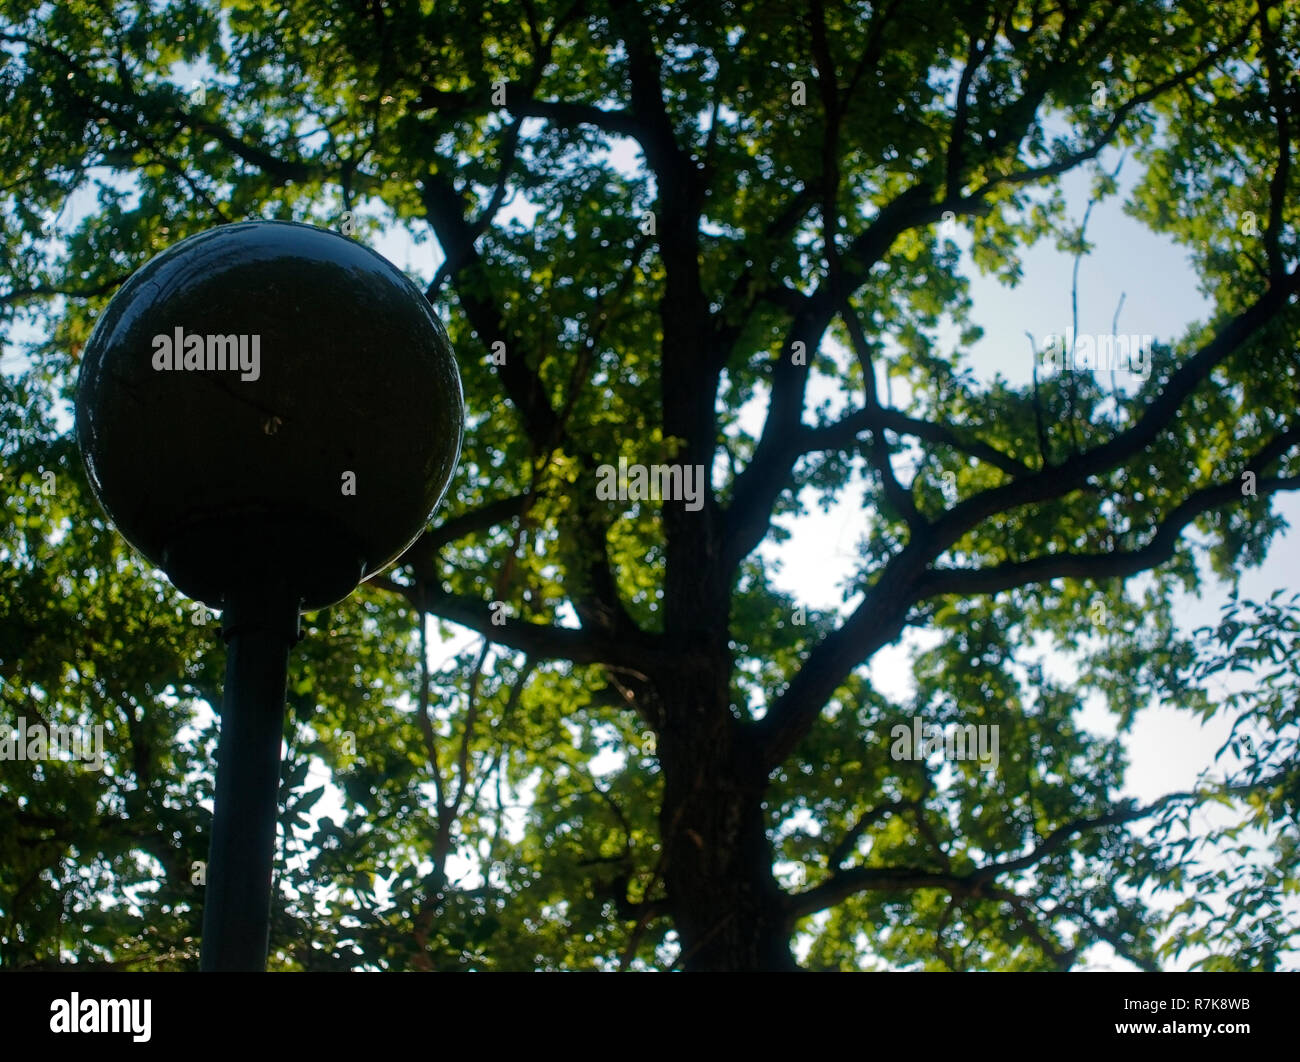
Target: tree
(778, 232)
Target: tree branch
(1094, 566)
(881, 616)
(978, 883)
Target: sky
(1167, 748)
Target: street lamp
(270, 413)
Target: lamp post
(270, 413)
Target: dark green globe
(269, 400)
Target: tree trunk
(725, 904)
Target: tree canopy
(645, 733)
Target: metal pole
(260, 625)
